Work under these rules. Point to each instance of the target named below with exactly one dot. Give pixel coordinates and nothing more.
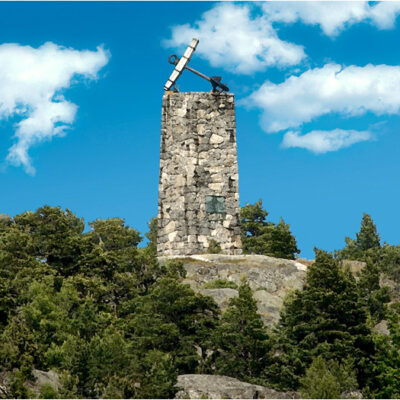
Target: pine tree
(368, 237)
(327, 379)
(241, 338)
(366, 244)
(104, 314)
(385, 365)
(151, 235)
(173, 319)
(283, 244)
(262, 237)
(326, 318)
(389, 262)
(372, 294)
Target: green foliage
(18, 389)
(262, 237)
(385, 365)
(114, 323)
(241, 339)
(173, 319)
(220, 284)
(327, 379)
(389, 262)
(47, 391)
(372, 294)
(326, 318)
(366, 244)
(151, 235)
(368, 237)
(214, 247)
(95, 308)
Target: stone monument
(198, 188)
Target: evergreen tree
(367, 241)
(326, 318)
(253, 219)
(389, 262)
(151, 235)
(241, 339)
(327, 379)
(115, 323)
(372, 294)
(55, 236)
(91, 305)
(173, 319)
(368, 237)
(283, 244)
(34, 245)
(262, 237)
(47, 391)
(385, 365)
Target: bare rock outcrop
(382, 328)
(355, 266)
(40, 378)
(44, 378)
(270, 278)
(223, 387)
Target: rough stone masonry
(198, 188)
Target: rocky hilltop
(223, 387)
(270, 278)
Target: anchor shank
(198, 73)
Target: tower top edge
(202, 94)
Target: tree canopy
(241, 339)
(262, 237)
(115, 323)
(96, 308)
(366, 242)
(327, 318)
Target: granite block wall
(198, 187)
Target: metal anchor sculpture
(181, 64)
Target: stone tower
(198, 189)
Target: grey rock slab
(382, 328)
(270, 278)
(196, 386)
(222, 296)
(269, 306)
(41, 378)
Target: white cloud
(31, 81)
(347, 91)
(333, 16)
(231, 38)
(324, 141)
(234, 39)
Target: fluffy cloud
(234, 39)
(324, 141)
(332, 16)
(231, 38)
(31, 81)
(347, 91)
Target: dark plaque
(215, 204)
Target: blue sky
(317, 93)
